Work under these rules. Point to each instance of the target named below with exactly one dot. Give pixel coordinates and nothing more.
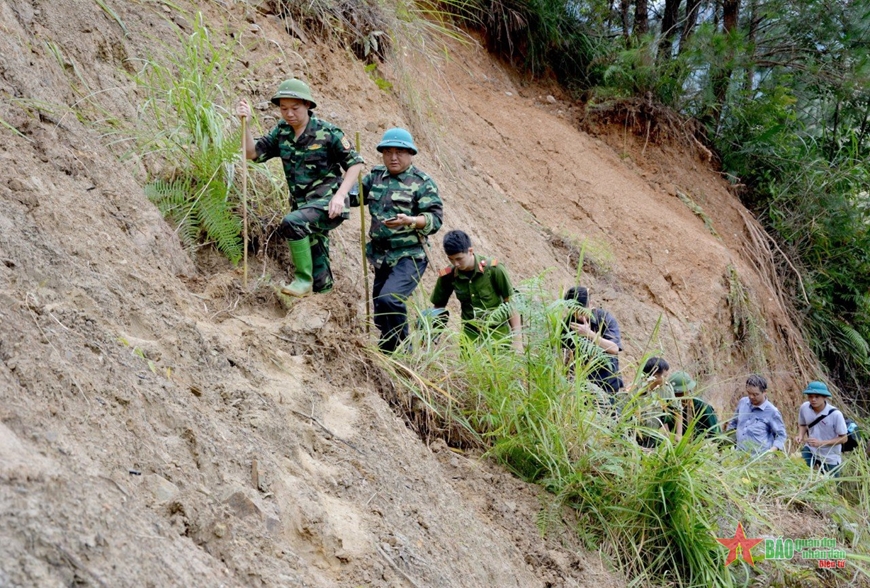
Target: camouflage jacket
(312, 164)
(411, 192)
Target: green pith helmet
(682, 382)
(294, 89)
(397, 137)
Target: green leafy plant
(699, 212)
(191, 130)
(372, 70)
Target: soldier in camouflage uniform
(482, 287)
(405, 208)
(313, 153)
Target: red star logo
(739, 545)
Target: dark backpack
(854, 436)
(853, 433)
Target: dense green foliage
(189, 130)
(655, 513)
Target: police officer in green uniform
(405, 208)
(481, 285)
(697, 414)
(313, 153)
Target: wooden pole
(244, 203)
(362, 241)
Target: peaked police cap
(682, 382)
(294, 89)
(397, 137)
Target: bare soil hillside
(161, 425)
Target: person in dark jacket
(593, 335)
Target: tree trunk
(624, 7)
(641, 17)
(730, 12)
(692, 8)
(722, 75)
(669, 29)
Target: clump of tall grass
(190, 144)
(655, 512)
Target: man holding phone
(405, 208)
(593, 336)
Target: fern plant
(190, 130)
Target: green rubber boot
(301, 252)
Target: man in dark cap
(596, 327)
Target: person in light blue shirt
(758, 422)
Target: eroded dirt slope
(160, 425)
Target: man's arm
(813, 442)
(582, 328)
(243, 110)
(502, 285)
(839, 427)
(336, 205)
(777, 427)
(430, 207)
(443, 288)
(352, 162)
(803, 433)
(611, 329)
(732, 423)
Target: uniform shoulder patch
(493, 263)
(345, 143)
(447, 270)
(421, 174)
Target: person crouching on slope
(313, 153)
(482, 286)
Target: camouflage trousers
(315, 224)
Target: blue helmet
(397, 137)
(817, 387)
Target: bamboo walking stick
(362, 241)
(245, 202)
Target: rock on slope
(160, 425)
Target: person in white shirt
(823, 430)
